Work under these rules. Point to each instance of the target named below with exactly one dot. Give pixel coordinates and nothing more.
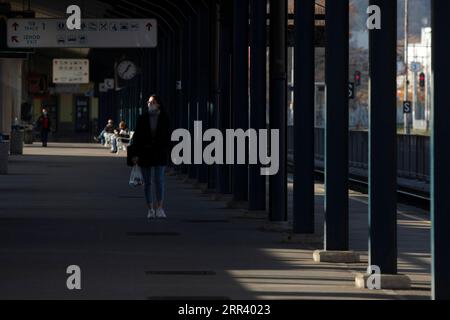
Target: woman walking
(151, 147)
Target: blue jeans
(44, 137)
(158, 175)
(101, 137)
(114, 144)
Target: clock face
(126, 70)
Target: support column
(258, 97)
(179, 55)
(336, 244)
(383, 150)
(225, 79)
(278, 105)
(5, 115)
(304, 178)
(203, 80)
(185, 86)
(336, 162)
(215, 84)
(193, 101)
(10, 107)
(240, 91)
(383, 140)
(440, 152)
(6, 96)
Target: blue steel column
(336, 158)
(258, 104)
(440, 176)
(278, 105)
(240, 91)
(304, 180)
(383, 140)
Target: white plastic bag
(136, 177)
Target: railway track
(408, 196)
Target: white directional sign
(71, 71)
(102, 88)
(416, 66)
(94, 33)
(109, 83)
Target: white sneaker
(151, 214)
(160, 214)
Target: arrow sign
(105, 33)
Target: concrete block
(322, 256)
(388, 282)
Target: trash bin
(4, 154)
(28, 135)
(16, 140)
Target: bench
(123, 143)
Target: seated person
(107, 133)
(122, 134)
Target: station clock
(127, 70)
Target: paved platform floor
(71, 204)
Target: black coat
(152, 151)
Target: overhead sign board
(6, 14)
(94, 33)
(71, 71)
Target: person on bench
(105, 136)
(122, 134)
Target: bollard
(28, 136)
(4, 154)
(17, 138)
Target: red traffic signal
(357, 78)
(422, 80)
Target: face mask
(152, 108)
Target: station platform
(70, 204)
